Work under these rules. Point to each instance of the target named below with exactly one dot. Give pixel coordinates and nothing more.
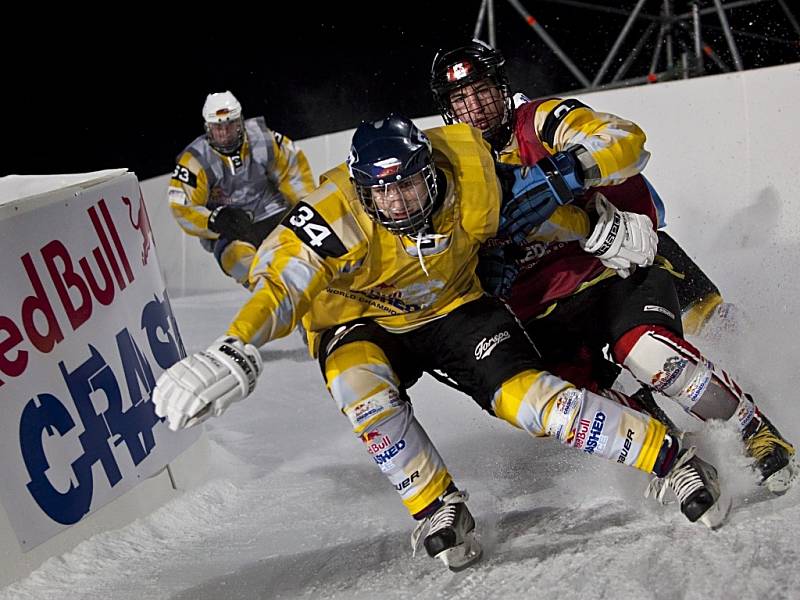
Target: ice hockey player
(470, 85)
(380, 262)
(568, 290)
(233, 185)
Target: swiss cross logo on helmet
(459, 71)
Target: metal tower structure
(678, 50)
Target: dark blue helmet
(391, 166)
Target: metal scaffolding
(679, 48)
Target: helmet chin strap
(419, 255)
(427, 231)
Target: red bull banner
(86, 328)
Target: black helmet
(392, 159)
(476, 62)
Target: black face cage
(497, 135)
(413, 223)
(228, 149)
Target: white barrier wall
(86, 327)
(721, 145)
(724, 159)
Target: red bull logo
(141, 224)
(376, 441)
(368, 436)
(672, 369)
(581, 433)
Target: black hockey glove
(498, 269)
(230, 222)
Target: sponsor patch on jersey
(672, 368)
(363, 411)
(567, 404)
(388, 455)
(556, 117)
(485, 347)
(582, 433)
(177, 196)
(745, 413)
(314, 231)
(406, 482)
(626, 447)
(387, 401)
(661, 309)
(596, 441)
(376, 441)
(697, 386)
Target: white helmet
(224, 124)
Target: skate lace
(444, 517)
(683, 479)
(763, 442)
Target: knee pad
(362, 382)
(523, 399)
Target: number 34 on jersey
(314, 231)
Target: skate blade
(779, 482)
(715, 517)
(462, 556)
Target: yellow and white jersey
(268, 175)
(615, 146)
(330, 262)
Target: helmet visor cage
(481, 104)
(404, 205)
(226, 136)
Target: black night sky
(129, 92)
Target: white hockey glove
(620, 239)
(206, 383)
